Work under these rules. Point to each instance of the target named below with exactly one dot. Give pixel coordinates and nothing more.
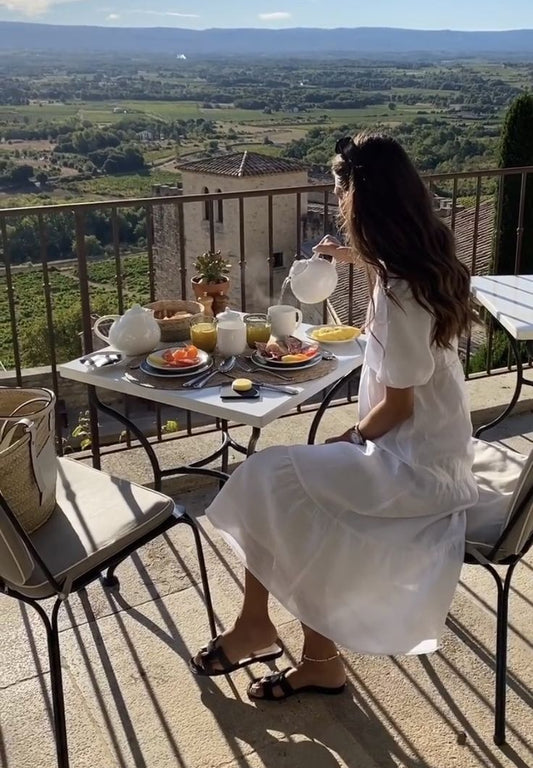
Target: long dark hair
(388, 217)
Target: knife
(278, 388)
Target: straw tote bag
(28, 464)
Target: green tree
(93, 246)
(21, 174)
(516, 150)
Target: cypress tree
(515, 150)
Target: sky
(202, 14)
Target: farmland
(170, 112)
(30, 300)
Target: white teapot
(133, 333)
(313, 280)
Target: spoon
(223, 367)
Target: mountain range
(356, 42)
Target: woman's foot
(315, 676)
(241, 642)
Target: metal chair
(98, 522)
(500, 533)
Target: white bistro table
(509, 299)
(254, 413)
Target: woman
(362, 539)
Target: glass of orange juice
(204, 332)
(257, 329)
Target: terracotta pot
(212, 289)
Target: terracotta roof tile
(464, 236)
(241, 164)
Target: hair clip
(345, 147)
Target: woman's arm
(396, 407)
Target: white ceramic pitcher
(313, 280)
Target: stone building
(237, 172)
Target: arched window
(207, 207)
(220, 209)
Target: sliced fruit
(183, 354)
(298, 358)
(183, 363)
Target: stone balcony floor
(132, 703)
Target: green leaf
(85, 443)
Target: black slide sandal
(213, 654)
(279, 679)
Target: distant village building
(241, 171)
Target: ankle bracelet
(305, 657)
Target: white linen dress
(364, 544)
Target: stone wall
(227, 234)
(313, 226)
(72, 395)
(72, 392)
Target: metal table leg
(196, 468)
(520, 381)
(252, 442)
(97, 404)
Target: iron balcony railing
(30, 231)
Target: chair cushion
(496, 470)
(96, 517)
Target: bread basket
(173, 317)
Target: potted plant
(211, 275)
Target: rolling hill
(357, 42)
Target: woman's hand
(344, 438)
(330, 246)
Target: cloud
(32, 7)
(167, 13)
(113, 17)
(275, 16)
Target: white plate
(174, 373)
(267, 364)
(309, 331)
(155, 359)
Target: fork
(246, 366)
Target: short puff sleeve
(399, 349)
